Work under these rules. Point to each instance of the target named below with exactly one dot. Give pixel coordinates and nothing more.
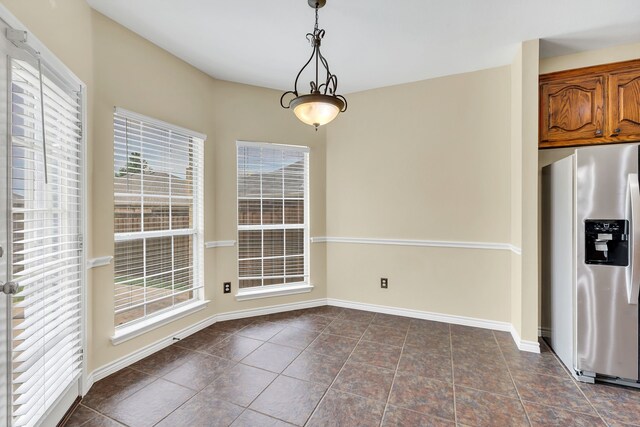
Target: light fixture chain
(316, 26)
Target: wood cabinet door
(572, 109)
(624, 104)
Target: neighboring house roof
(130, 185)
(271, 183)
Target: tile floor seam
(573, 380)
(390, 345)
(494, 393)
(259, 394)
(99, 413)
(68, 418)
(290, 346)
(223, 400)
(262, 413)
(281, 374)
(332, 382)
(189, 400)
(395, 374)
(561, 408)
(513, 381)
(589, 400)
(453, 376)
(126, 397)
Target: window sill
(275, 291)
(129, 332)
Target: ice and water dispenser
(607, 242)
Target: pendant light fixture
(322, 104)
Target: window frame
(133, 328)
(263, 290)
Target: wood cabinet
(624, 104)
(594, 105)
(574, 109)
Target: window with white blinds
(158, 216)
(272, 214)
(46, 254)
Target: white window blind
(158, 216)
(46, 247)
(272, 214)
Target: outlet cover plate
(226, 287)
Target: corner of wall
(524, 189)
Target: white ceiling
(371, 43)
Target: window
(272, 214)
(157, 216)
(45, 237)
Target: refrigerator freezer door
(557, 259)
(606, 324)
(633, 213)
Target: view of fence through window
(156, 184)
(272, 224)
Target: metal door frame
(5, 223)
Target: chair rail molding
(419, 243)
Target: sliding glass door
(43, 256)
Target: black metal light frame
(326, 91)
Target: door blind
(157, 216)
(272, 214)
(46, 246)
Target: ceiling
(373, 43)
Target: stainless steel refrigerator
(590, 262)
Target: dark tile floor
(329, 366)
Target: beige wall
(135, 74)
(121, 69)
(428, 161)
(249, 113)
(524, 191)
(516, 191)
(592, 57)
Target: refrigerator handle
(633, 214)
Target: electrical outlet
(227, 287)
(384, 283)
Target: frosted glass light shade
(316, 109)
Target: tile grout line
(336, 377)
(246, 408)
(589, 400)
(395, 374)
(97, 412)
(198, 392)
(233, 361)
(453, 377)
(575, 382)
(526, 413)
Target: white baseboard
(426, 315)
(523, 345)
(123, 362)
(280, 308)
(529, 346)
